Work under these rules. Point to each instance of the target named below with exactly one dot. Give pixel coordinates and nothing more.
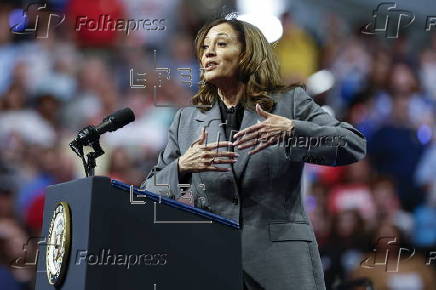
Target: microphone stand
(98, 151)
(89, 134)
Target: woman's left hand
(263, 133)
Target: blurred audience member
(297, 52)
(347, 241)
(388, 146)
(12, 241)
(354, 193)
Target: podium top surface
(174, 203)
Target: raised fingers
(203, 136)
(258, 136)
(249, 129)
(214, 154)
(265, 139)
(223, 161)
(253, 135)
(216, 145)
(206, 164)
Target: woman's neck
(231, 94)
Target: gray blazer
(263, 192)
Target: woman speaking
(242, 147)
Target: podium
(119, 237)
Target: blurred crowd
(50, 87)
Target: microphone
(115, 121)
(91, 136)
(111, 123)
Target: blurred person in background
(12, 241)
(388, 207)
(14, 99)
(353, 193)
(94, 79)
(182, 59)
(48, 107)
(121, 167)
(296, 51)
(424, 235)
(61, 80)
(399, 134)
(427, 72)
(350, 67)
(51, 166)
(162, 16)
(369, 108)
(346, 243)
(12, 235)
(8, 51)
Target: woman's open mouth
(210, 65)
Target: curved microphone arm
(87, 136)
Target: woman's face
(221, 52)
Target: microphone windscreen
(122, 117)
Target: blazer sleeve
(319, 138)
(164, 178)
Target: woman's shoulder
(188, 113)
(293, 94)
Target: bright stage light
(270, 25)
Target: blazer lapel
(250, 118)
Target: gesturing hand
(200, 157)
(266, 132)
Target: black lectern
(120, 237)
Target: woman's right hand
(200, 157)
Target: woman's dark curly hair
(258, 68)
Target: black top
(232, 117)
